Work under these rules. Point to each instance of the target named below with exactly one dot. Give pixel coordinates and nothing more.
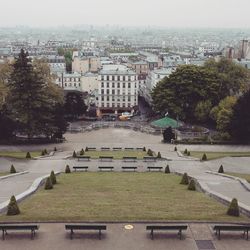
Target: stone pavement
(53, 236)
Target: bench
(116, 149)
(12, 227)
(106, 158)
(105, 149)
(85, 227)
(129, 168)
(155, 168)
(91, 149)
(106, 168)
(139, 149)
(149, 158)
(128, 148)
(83, 158)
(81, 168)
(179, 228)
(244, 228)
(129, 159)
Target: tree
(53, 178)
(48, 184)
(12, 169)
(168, 134)
(202, 110)
(13, 208)
(184, 180)
(239, 127)
(68, 60)
(233, 209)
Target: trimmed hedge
(221, 169)
(233, 209)
(53, 177)
(12, 169)
(28, 156)
(184, 180)
(167, 170)
(204, 157)
(191, 185)
(13, 208)
(67, 170)
(48, 184)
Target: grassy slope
(19, 155)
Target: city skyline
(173, 14)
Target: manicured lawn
(19, 155)
(217, 155)
(116, 154)
(119, 197)
(4, 173)
(243, 176)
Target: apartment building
(69, 81)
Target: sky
(162, 13)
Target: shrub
(86, 149)
(204, 157)
(48, 184)
(43, 153)
(167, 170)
(28, 156)
(53, 177)
(67, 169)
(191, 185)
(150, 152)
(74, 154)
(82, 152)
(55, 149)
(221, 169)
(184, 180)
(12, 169)
(185, 151)
(13, 208)
(175, 148)
(144, 149)
(188, 153)
(233, 209)
(159, 155)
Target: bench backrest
(233, 227)
(166, 227)
(11, 226)
(86, 227)
(106, 157)
(130, 157)
(80, 167)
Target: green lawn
(217, 155)
(119, 197)
(19, 155)
(4, 173)
(243, 176)
(116, 154)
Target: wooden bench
(105, 149)
(19, 227)
(91, 149)
(129, 159)
(106, 168)
(106, 158)
(83, 158)
(81, 168)
(141, 149)
(179, 228)
(129, 168)
(85, 227)
(128, 148)
(219, 228)
(154, 168)
(149, 158)
(116, 149)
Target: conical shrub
(175, 148)
(12, 169)
(204, 157)
(48, 184)
(43, 153)
(55, 149)
(67, 169)
(13, 208)
(150, 152)
(144, 149)
(184, 180)
(188, 153)
(159, 155)
(185, 151)
(233, 209)
(167, 170)
(82, 152)
(221, 169)
(53, 177)
(86, 149)
(74, 154)
(191, 185)
(28, 156)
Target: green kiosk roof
(166, 122)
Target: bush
(82, 152)
(221, 169)
(67, 169)
(191, 185)
(159, 155)
(144, 149)
(43, 153)
(185, 151)
(12, 169)
(150, 152)
(53, 177)
(233, 209)
(48, 184)
(28, 156)
(86, 149)
(175, 148)
(188, 153)
(167, 170)
(184, 180)
(13, 208)
(55, 149)
(74, 154)
(204, 157)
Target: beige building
(89, 83)
(86, 64)
(141, 68)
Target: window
(108, 98)
(107, 84)
(113, 78)
(75, 84)
(107, 105)
(129, 98)
(102, 98)
(113, 84)
(107, 78)
(79, 84)
(65, 84)
(102, 78)
(74, 79)
(124, 85)
(113, 98)
(113, 91)
(102, 104)
(118, 105)
(118, 91)
(118, 78)
(107, 91)
(123, 105)
(102, 84)
(129, 85)
(118, 85)
(129, 78)
(123, 99)
(123, 78)
(102, 91)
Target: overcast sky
(167, 13)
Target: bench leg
(100, 234)
(71, 234)
(32, 234)
(219, 235)
(3, 235)
(152, 234)
(180, 233)
(247, 234)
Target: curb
(34, 186)
(13, 175)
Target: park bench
(116, 149)
(179, 228)
(91, 149)
(129, 168)
(72, 227)
(106, 168)
(219, 228)
(105, 149)
(83, 158)
(154, 168)
(129, 159)
(81, 168)
(106, 158)
(19, 227)
(139, 149)
(149, 158)
(128, 148)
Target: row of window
(117, 85)
(117, 99)
(117, 78)
(117, 92)
(70, 79)
(116, 106)
(71, 84)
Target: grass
(218, 155)
(19, 154)
(4, 173)
(243, 176)
(116, 154)
(119, 197)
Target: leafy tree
(68, 60)
(168, 134)
(202, 110)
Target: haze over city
(164, 13)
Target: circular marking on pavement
(128, 227)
